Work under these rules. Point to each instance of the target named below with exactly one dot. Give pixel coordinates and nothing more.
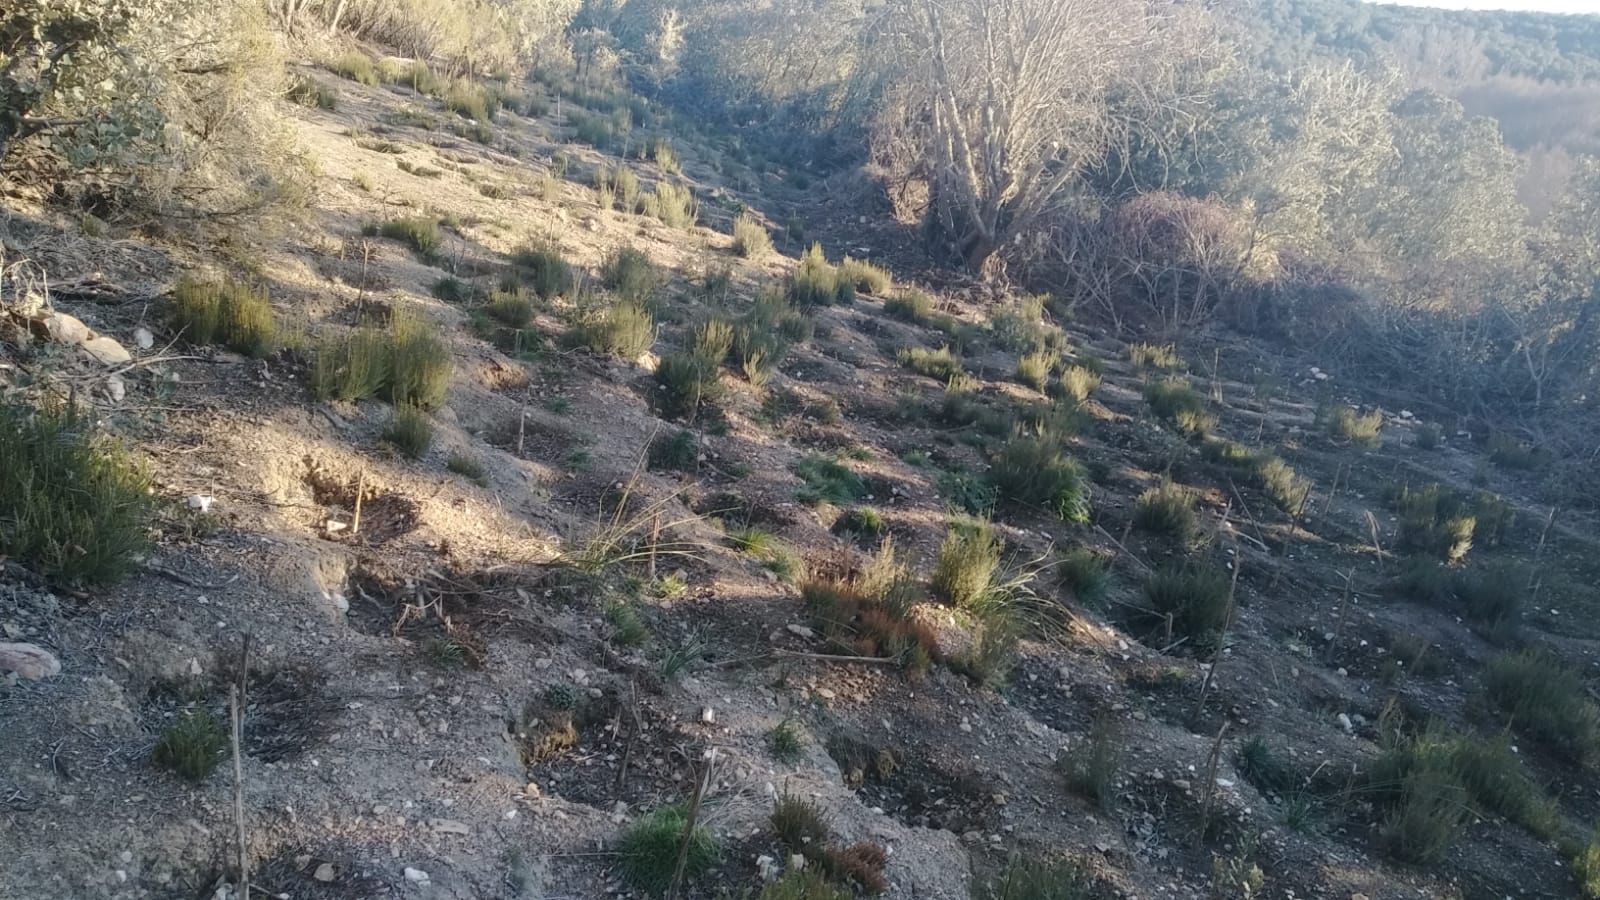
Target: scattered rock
(801, 631)
(324, 872)
(1345, 723)
(143, 339)
(65, 329)
(29, 661)
(116, 388)
(106, 351)
(200, 502)
(416, 876)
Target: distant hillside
(1538, 74)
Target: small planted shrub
(409, 364)
(409, 430)
(1509, 453)
(311, 95)
(673, 204)
(627, 185)
(676, 451)
(942, 364)
(420, 364)
(421, 235)
(192, 746)
(1038, 879)
(816, 282)
(800, 825)
(750, 237)
(1033, 471)
(665, 156)
(1287, 490)
(1085, 573)
(1166, 510)
(1155, 356)
(623, 330)
(786, 740)
(1033, 369)
(1176, 403)
(630, 275)
(418, 169)
(862, 523)
(1427, 818)
(968, 493)
(1492, 597)
(467, 467)
(869, 616)
(1545, 700)
(865, 277)
(350, 367)
(649, 850)
(541, 267)
(1195, 598)
(1342, 422)
(469, 101)
(1435, 521)
(688, 379)
(826, 480)
(453, 290)
(73, 506)
(991, 652)
(235, 315)
(968, 561)
(513, 308)
(357, 67)
(1091, 767)
(1430, 436)
(910, 305)
(803, 884)
(1078, 382)
(627, 626)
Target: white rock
(1345, 723)
(29, 661)
(116, 388)
(708, 716)
(324, 872)
(416, 876)
(65, 329)
(200, 502)
(106, 351)
(143, 339)
(768, 867)
(801, 631)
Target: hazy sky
(1560, 6)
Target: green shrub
(73, 506)
(409, 430)
(235, 315)
(308, 93)
(968, 561)
(1154, 356)
(1492, 597)
(1033, 369)
(1177, 404)
(624, 330)
(1079, 382)
(1282, 484)
(420, 364)
(1544, 699)
(678, 451)
(1085, 573)
(990, 653)
(750, 237)
(630, 275)
(357, 67)
(627, 188)
(1430, 436)
(968, 493)
(866, 277)
(467, 467)
(627, 626)
(649, 850)
(861, 523)
(1166, 510)
(1342, 421)
(542, 268)
(605, 187)
(350, 367)
(1033, 471)
(1091, 767)
(800, 825)
(1195, 597)
(826, 480)
(786, 741)
(1509, 453)
(1586, 867)
(910, 305)
(453, 290)
(192, 746)
(1263, 767)
(815, 282)
(673, 204)
(687, 380)
(1431, 812)
(942, 364)
(421, 235)
(665, 156)
(1435, 521)
(1037, 879)
(803, 884)
(513, 308)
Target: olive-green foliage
(408, 364)
(236, 315)
(1085, 573)
(627, 626)
(968, 561)
(673, 204)
(420, 364)
(1509, 453)
(787, 741)
(542, 268)
(1037, 879)
(357, 67)
(687, 379)
(1430, 436)
(630, 275)
(1033, 369)
(73, 506)
(1033, 471)
(866, 277)
(1079, 382)
(1586, 867)
(910, 305)
(409, 430)
(1342, 421)
(351, 366)
(942, 363)
(816, 282)
(1428, 816)
(990, 653)
(468, 100)
(511, 308)
(624, 330)
(1177, 404)
(1090, 767)
(800, 824)
(1492, 596)
(1286, 488)
(750, 237)
(826, 480)
(1154, 356)
(661, 150)
(453, 290)
(421, 235)
(649, 850)
(627, 184)
(677, 450)
(1019, 326)
(803, 884)
(192, 746)
(308, 93)
(1195, 596)
(968, 493)
(467, 467)
(861, 523)
(1167, 510)
(1546, 700)
(1435, 521)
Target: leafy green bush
(408, 364)
(866, 277)
(421, 235)
(673, 204)
(861, 523)
(942, 364)
(629, 273)
(687, 380)
(826, 480)
(1546, 700)
(787, 741)
(1091, 767)
(1079, 382)
(627, 184)
(232, 314)
(453, 290)
(815, 282)
(409, 430)
(1282, 484)
(542, 268)
(968, 561)
(73, 506)
(192, 746)
(1166, 510)
(910, 305)
(1343, 422)
(1195, 597)
(750, 237)
(1427, 818)
(968, 493)
(649, 850)
(1034, 471)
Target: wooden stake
(361, 491)
(1222, 636)
(522, 428)
(236, 704)
(700, 785)
(1211, 784)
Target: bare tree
(1002, 105)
